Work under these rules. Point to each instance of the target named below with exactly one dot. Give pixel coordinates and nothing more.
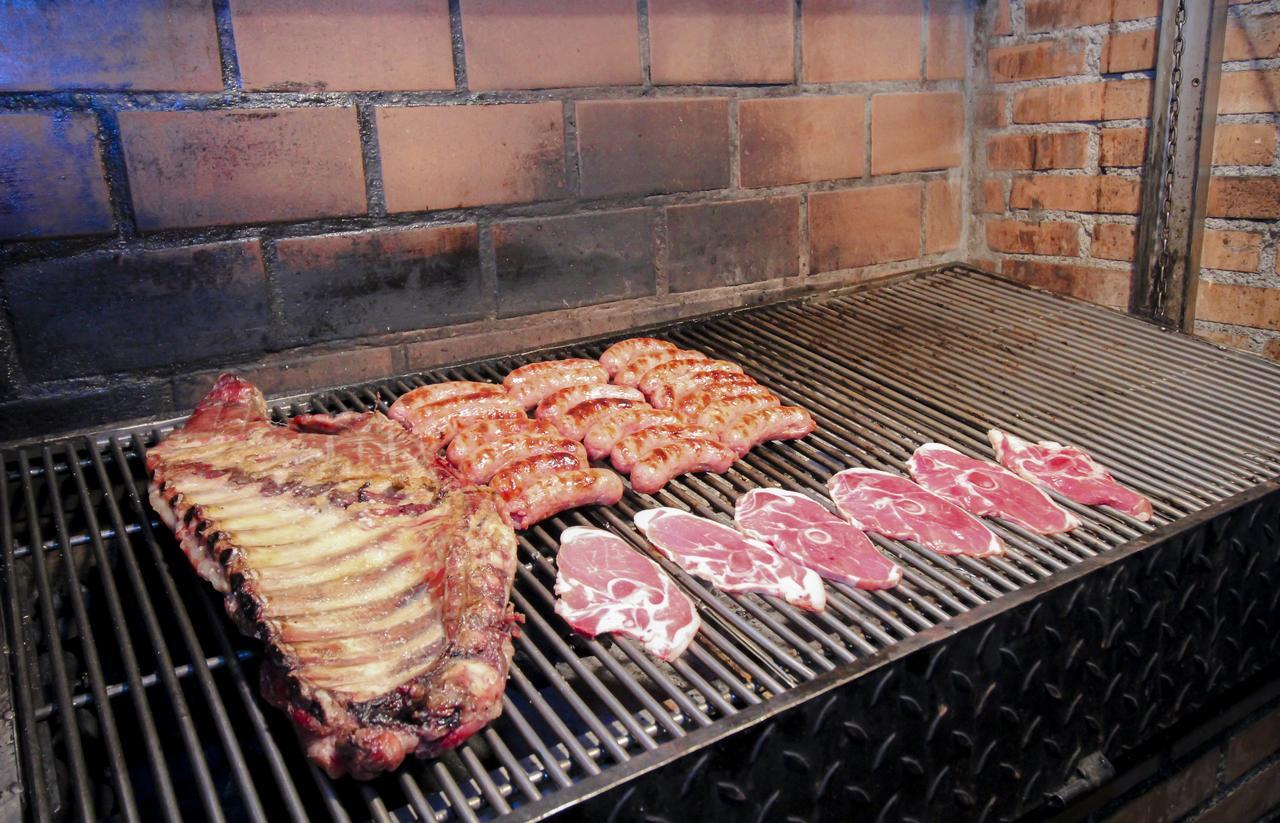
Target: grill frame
(859, 652)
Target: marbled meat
(803, 530)
(727, 559)
(604, 585)
(982, 487)
(1069, 471)
(379, 585)
(891, 505)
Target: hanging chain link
(1162, 258)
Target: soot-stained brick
(653, 146)
(362, 283)
(77, 408)
(51, 182)
(729, 244)
(563, 262)
(109, 312)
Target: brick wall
(371, 187)
(1062, 139)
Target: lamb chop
(378, 584)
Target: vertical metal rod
(1175, 187)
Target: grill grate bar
(940, 356)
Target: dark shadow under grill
(132, 696)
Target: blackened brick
(563, 262)
(729, 244)
(372, 282)
(653, 146)
(52, 177)
(82, 407)
(109, 312)
(289, 375)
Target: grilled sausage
(774, 423)
(676, 390)
(622, 353)
(605, 434)
(551, 494)
(693, 403)
(486, 461)
(437, 423)
(664, 463)
(575, 422)
(436, 392)
(555, 405)
(630, 374)
(486, 431)
(513, 476)
(635, 446)
(529, 384)
(668, 372)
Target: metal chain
(1166, 204)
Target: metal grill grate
(133, 696)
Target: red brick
(1059, 104)
(801, 139)
(887, 34)
(52, 173)
(1002, 23)
(550, 263)
(1126, 99)
(721, 41)
(1272, 348)
(1049, 58)
(108, 312)
(651, 146)
(1106, 287)
(1113, 241)
(1244, 144)
(1231, 340)
(1173, 798)
(1253, 744)
(861, 227)
(543, 44)
(1251, 306)
(943, 218)
(1252, 37)
(1107, 194)
(1251, 801)
(1062, 150)
(732, 244)
(206, 168)
(1231, 250)
(1123, 147)
(947, 52)
(993, 201)
(297, 374)
(144, 45)
(1129, 51)
(356, 284)
(1054, 15)
(1243, 92)
(1257, 197)
(992, 110)
(341, 45)
(1019, 237)
(443, 157)
(916, 132)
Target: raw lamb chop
(893, 506)
(729, 560)
(1068, 471)
(982, 487)
(604, 585)
(378, 585)
(801, 529)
